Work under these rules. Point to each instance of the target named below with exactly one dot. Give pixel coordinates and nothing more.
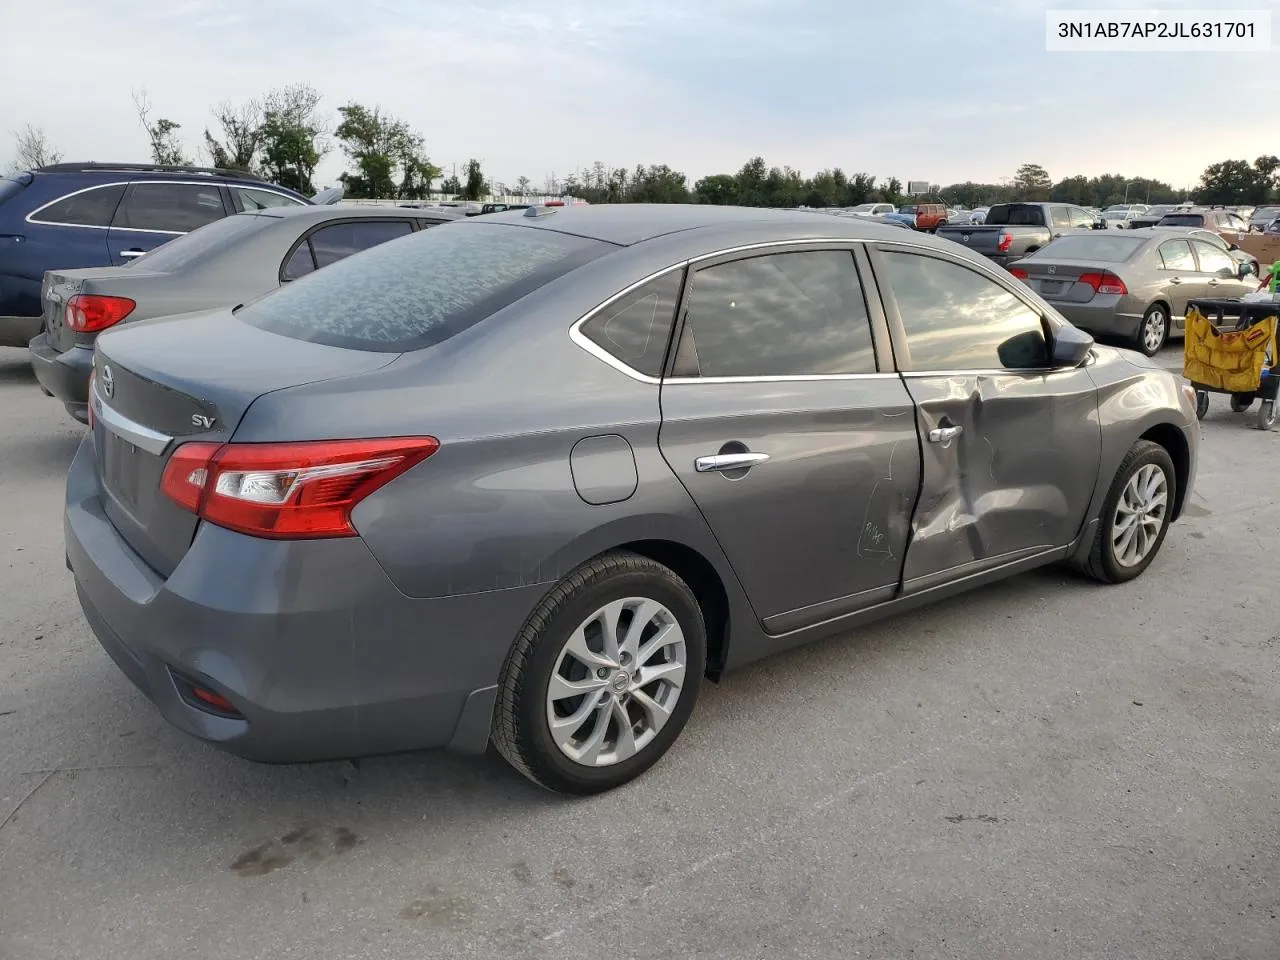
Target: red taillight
(215, 700)
(1104, 282)
(1005, 241)
(1018, 273)
(287, 491)
(89, 312)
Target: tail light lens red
(1105, 282)
(287, 491)
(89, 312)
(1018, 273)
(1005, 241)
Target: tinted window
(1212, 259)
(1016, 215)
(340, 240)
(1176, 255)
(787, 314)
(405, 296)
(208, 241)
(91, 208)
(301, 263)
(1182, 220)
(250, 199)
(957, 319)
(635, 329)
(1103, 245)
(172, 207)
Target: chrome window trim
(131, 431)
(597, 351)
(31, 217)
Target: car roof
(626, 224)
(351, 211)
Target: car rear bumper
(320, 654)
(1100, 318)
(64, 375)
(18, 331)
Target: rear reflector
(1104, 282)
(89, 312)
(287, 491)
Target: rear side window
(437, 283)
(88, 208)
(785, 314)
(1176, 255)
(341, 240)
(248, 199)
(1182, 220)
(635, 329)
(210, 240)
(170, 207)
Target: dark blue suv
(72, 215)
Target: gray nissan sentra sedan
(530, 478)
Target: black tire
(520, 729)
(1240, 402)
(1156, 315)
(1101, 563)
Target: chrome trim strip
(128, 430)
(788, 378)
(767, 244)
(985, 372)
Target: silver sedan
(1133, 285)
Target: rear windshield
(1182, 220)
(422, 289)
(1102, 246)
(203, 242)
(1015, 215)
(9, 188)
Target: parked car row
(71, 215)
(398, 479)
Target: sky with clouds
(938, 90)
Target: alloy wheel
(616, 682)
(1140, 515)
(1154, 327)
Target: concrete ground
(1042, 769)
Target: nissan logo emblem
(108, 382)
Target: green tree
(861, 189)
(166, 146)
(475, 186)
(719, 188)
(292, 137)
(451, 186)
(891, 192)
(382, 147)
(240, 135)
(1238, 181)
(1032, 182)
(658, 183)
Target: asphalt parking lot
(1042, 769)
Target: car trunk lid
(61, 285)
(1059, 280)
(161, 383)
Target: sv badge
(200, 420)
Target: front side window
(635, 329)
(422, 291)
(784, 314)
(169, 207)
(88, 208)
(1060, 216)
(1080, 219)
(957, 319)
(1213, 260)
(1176, 255)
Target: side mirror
(1070, 347)
(1024, 351)
(1233, 246)
(1245, 269)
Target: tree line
(283, 135)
